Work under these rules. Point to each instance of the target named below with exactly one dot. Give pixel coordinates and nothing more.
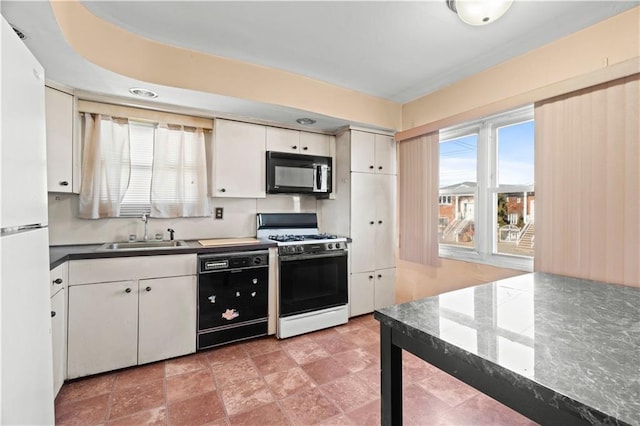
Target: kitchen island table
(559, 350)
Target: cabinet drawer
(58, 278)
(130, 268)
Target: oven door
(311, 282)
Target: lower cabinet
(372, 290)
(58, 283)
(126, 322)
(59, 339)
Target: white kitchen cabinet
(58, 284)
(59, 125)
(373, 153)
(372, 221)
(361, 293)
(372, 290)
(238, 160)
(124, 312)
(59, 339)
(297, 142)
(103, 327)
(384, 288)
(365, 210)
(167, 313)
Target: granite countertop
(576, 340)
(63, 253)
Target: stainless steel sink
(143, 245)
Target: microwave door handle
(319, 177)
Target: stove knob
(300, 249)
(329, 246)
(257, 260)
(337, 245)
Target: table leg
(390, 379)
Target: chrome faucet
(145, 219)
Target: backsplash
(239, 220)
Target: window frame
(487, 190)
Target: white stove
(312, 273)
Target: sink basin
(143, 245)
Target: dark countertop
(61, 254)
(568, 341)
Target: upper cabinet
(373, 153)
(59, 121)
(238, 160)
(295, 141)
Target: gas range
(313, 279)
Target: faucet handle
(170, 231)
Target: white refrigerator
(26, 373)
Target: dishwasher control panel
(221, 262)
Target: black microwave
(289, 173)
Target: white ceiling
(397, 50)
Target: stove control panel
(311, 248)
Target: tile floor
(330, 377)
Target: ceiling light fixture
(305, 121)
(479, 12)
(143, 93)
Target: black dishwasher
(233, 290)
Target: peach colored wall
(415, 281)
(600, 53)
(127, 54)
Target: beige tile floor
(328, 377)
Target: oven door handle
(292, 257)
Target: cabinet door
(315, 144)
(385, 154)
(58, 278)
(103, 327)
(283, 140)
(239, 160)
(59, 119)
(167, 318)
(363, 222)
(385, 288)
(385, 218)
(361, 293)
(59, 339)
(362, 152)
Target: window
(486, 171)
(137, 198)
(445, 200)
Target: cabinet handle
(57, 281)
(304, 148)
(127, 290)
(370, 277)
(371, 167)
(371, 223)
(223, 190)
(379, 276)
(148, 288)
(64, 183)
(379, 167)
(379, 222)
(294, 147)
(53, 314)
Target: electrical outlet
(219, 212)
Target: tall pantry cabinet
(365, 210)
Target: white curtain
(105, 166)
(418, 176)
(179, 177)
